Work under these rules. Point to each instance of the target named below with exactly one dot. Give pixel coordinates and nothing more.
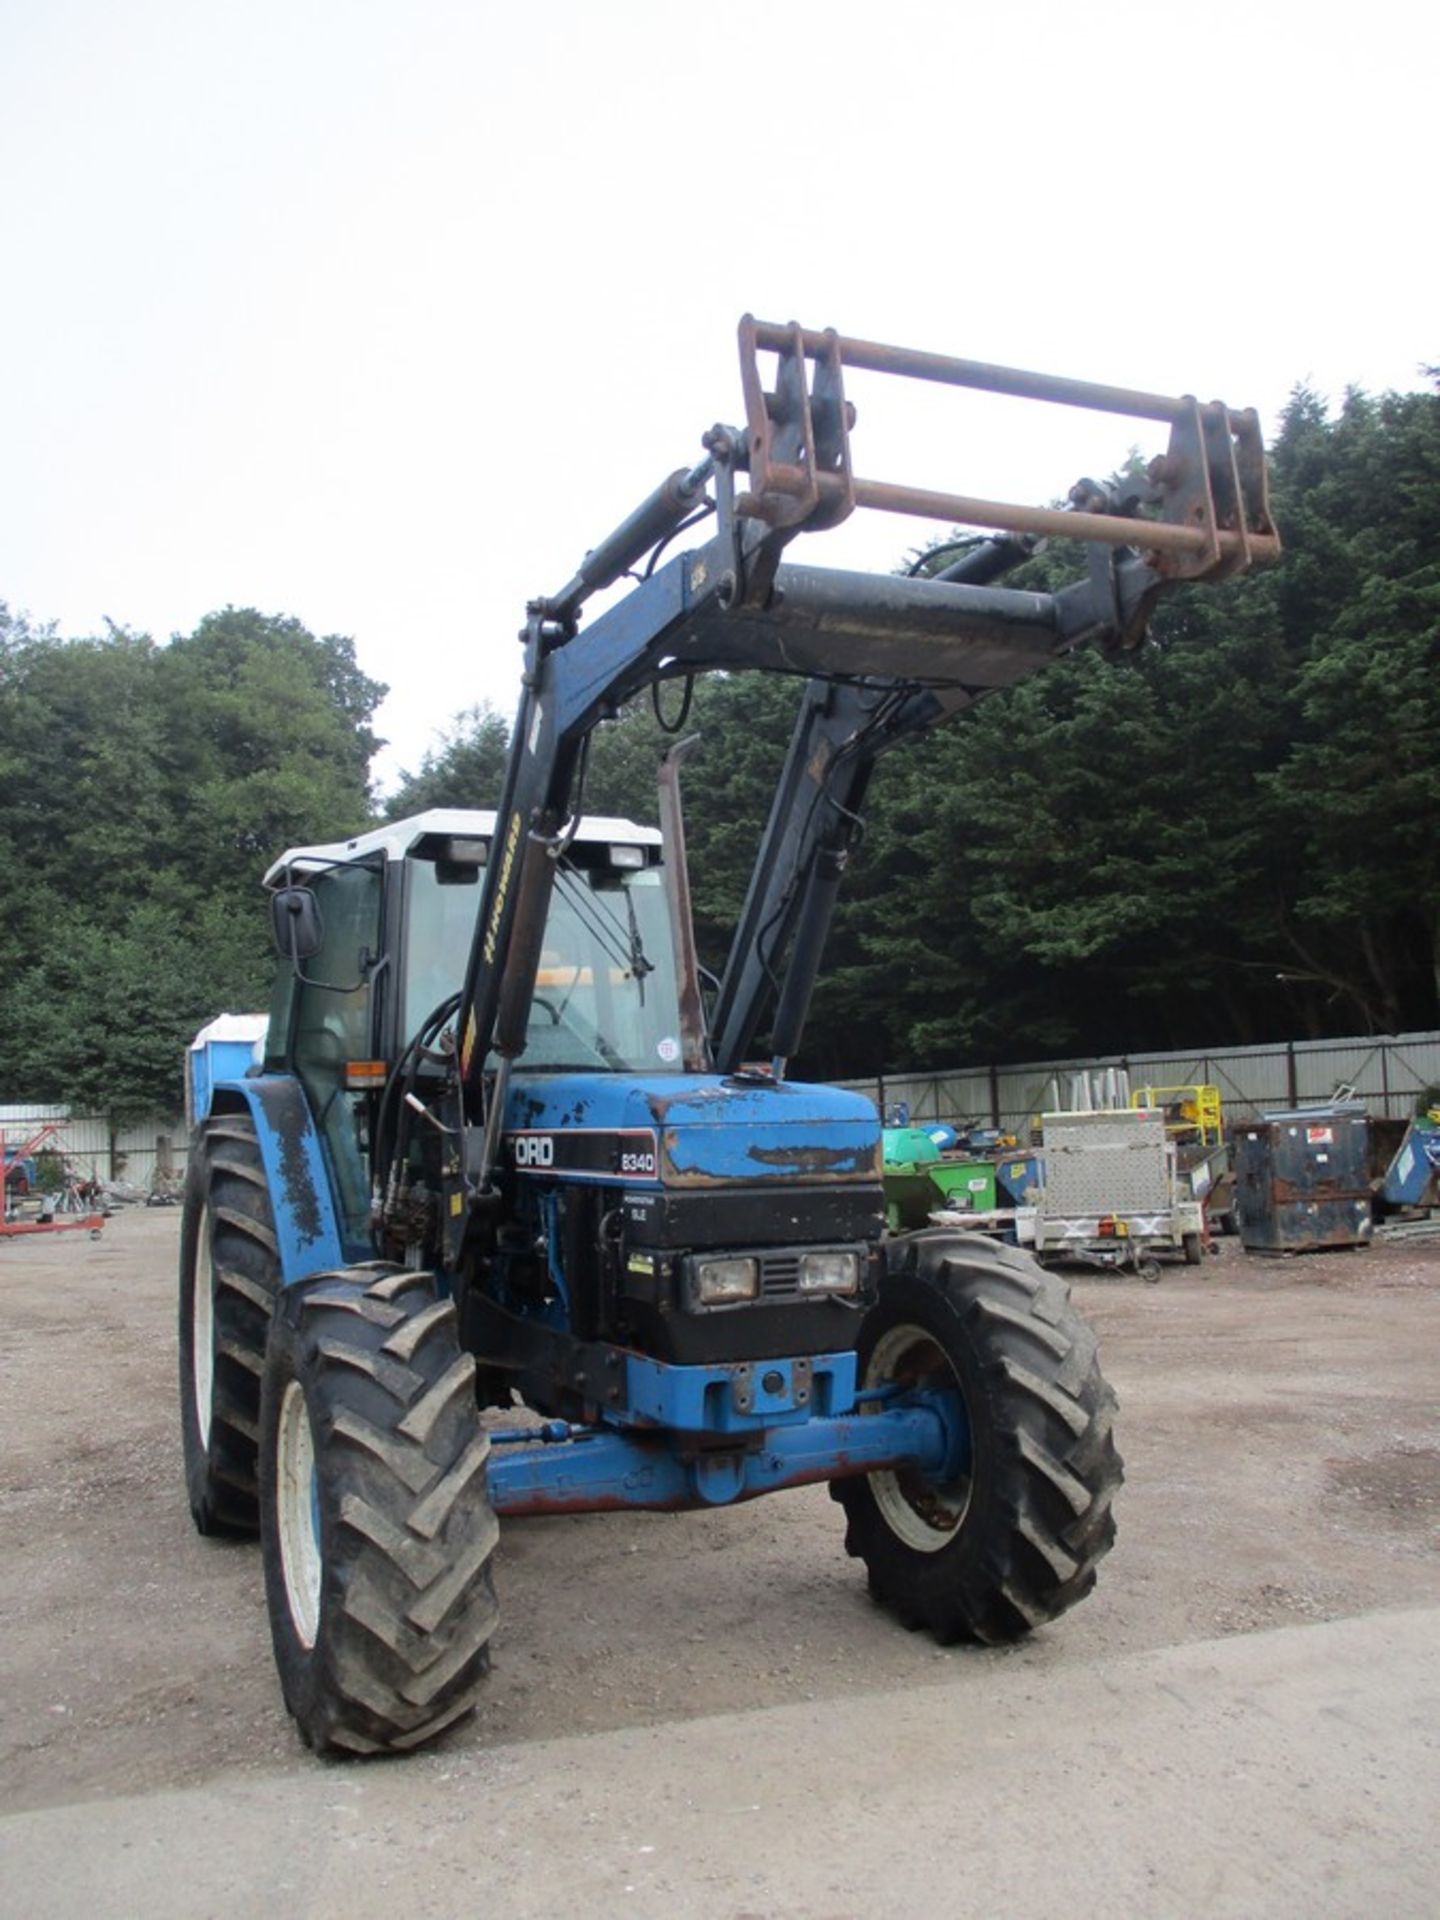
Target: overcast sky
(380, 314)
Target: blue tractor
(509, 1219)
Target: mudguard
(307, 1227)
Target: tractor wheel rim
(202, 1331)
(923, 1514)
(296, 1504)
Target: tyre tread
(420, 1422)
(408, 1605)
(1047, 1472)
(226, 1180)
(405, 1339)
(242, 1221)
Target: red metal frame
(92, 1222)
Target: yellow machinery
(1191, 1113)
(1194, 1122)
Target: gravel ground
(1280, 1421)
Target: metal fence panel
(138, 1155)
(1025, 1092)
(13, 1118)
(1324, 1069)
(1251, 1080)
(1412, 1067)
(1389, 1073)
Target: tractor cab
(387, 921)
(661, 1195)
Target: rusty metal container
(1302, 1179)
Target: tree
(143, 790)
(1357, 792)
(101, 1015)
(1219, 839)
(465, 770)
(267, 739)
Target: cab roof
(396, 838)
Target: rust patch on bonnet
(731, 1164)
(841, 1160)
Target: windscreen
(605, 994)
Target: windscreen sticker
(668, 1049)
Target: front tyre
(376, 1524)
(229, 1276)
(1013, 1537)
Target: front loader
(508, 1220)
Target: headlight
(719, 1281)
(829, 1272)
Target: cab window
(332, 1025)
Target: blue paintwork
(1413, 1176)
(583, 680)
(611, 1470)
(1016, 1174)
(297, 1178)
(217, 1063)
(550, 1209)
(709, 1128)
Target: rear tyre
(229, 1276)
(1012, 1539)
(376, 1523)
(1190, 1243)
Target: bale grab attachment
(1211, 513)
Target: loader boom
(885, 656)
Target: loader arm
(885, 656)
(815, 820)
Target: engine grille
(779, 1276)
(780, 1269)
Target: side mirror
(295, 923)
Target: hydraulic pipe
(694, 1049)
(887, 606)
(660, 514)
(987, 561)
(815, 916)
(494, 1121)
(527, 935)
